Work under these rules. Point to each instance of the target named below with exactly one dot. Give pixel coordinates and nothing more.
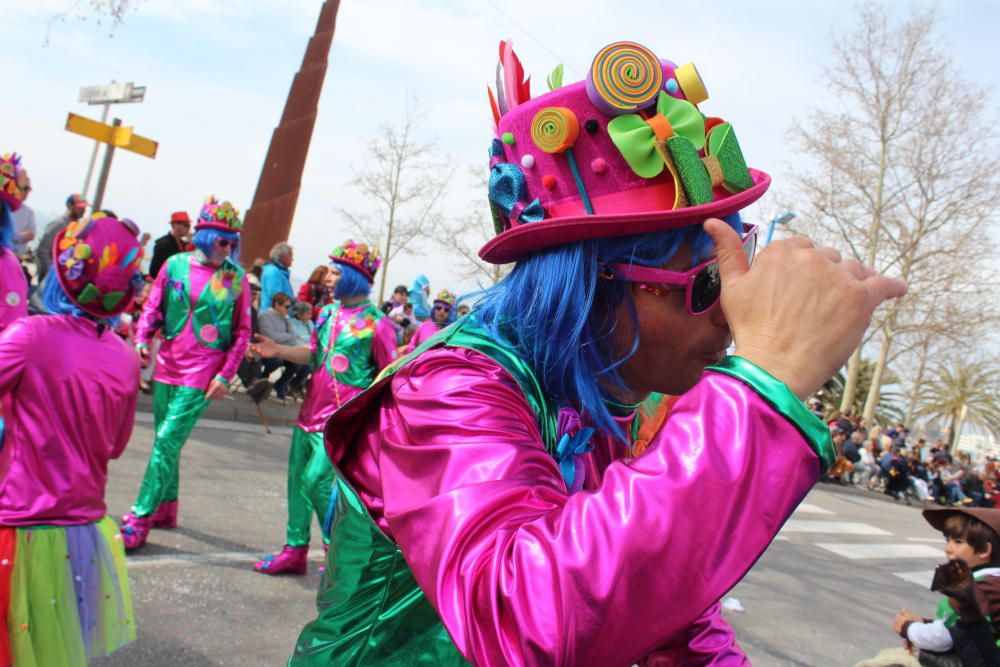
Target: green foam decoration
(693, 175)
(555, 78)
(684, 117)
(89, 293)
(723, 145)
(507, 138)
(632, 135)
(111, 300)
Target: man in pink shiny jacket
(575, 472)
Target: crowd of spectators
(887, 460)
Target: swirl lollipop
(624, 77)
(555, 130)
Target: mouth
(713, 357)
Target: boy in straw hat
(489, 506)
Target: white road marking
(834, 527)
(932, 540)
(922, 578)
(809, 508)
(248, 557)
(855, 551)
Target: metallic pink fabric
(326, 394)
(72, 406)
(13, 289)
(183, 361)
(423, 332)
(630, 569)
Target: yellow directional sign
(118, 136)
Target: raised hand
(800, 311)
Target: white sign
(112, 93)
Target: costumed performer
(72, 384)
(13, 286)
(442, 314)
(490, 504)
(200, 303)
(352, 342)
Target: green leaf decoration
(693, 175)
(111, 300)
(555, 78)
(722, 144)
(88, 294)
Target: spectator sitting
(866, 468)
(972, 537)
(841, 468)
(275, 275)
(250, 370)
(275, 324)
(463, 310)
(318, 290)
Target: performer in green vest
(352, 342)
(201, 304)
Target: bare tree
(113, 10)
(893, 184)
(463, 236)
(405, 180)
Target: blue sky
(217, 73)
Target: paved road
(822, 595)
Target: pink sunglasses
(702, 285)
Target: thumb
(733, 261)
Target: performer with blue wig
(71, 384)
(442, 315)
(353, 340)
(516, 491)
(13, 286)
(200, 302)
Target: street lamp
(780, 219)
(106, 95)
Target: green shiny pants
(175, 412)
(310, 483)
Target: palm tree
(888, 410)
(960, 391)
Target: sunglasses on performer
(225, 243)
(702, 284)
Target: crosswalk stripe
(932, 540)
(833, 527)
(809, 508)
(855, 551)
(922, 578)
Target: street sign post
(106, 95)
(115, 136)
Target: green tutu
(64, 594)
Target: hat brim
(937, 516)
(514, 243)
(218, 226)
(357, 267)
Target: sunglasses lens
(750, 247)
(706, 288)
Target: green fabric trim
(777, 394)
(223, 381)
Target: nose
(717, 316)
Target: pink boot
(135, 530)
(291, 560)
(165, 515)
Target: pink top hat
(13, 181)
(627, 151)
(359, 256)
(221, 216)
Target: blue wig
(556, 313)
(6, 226)
(352, 283)
(204, 239)
(57, 302)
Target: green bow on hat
(91, 293)
(637, 137)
